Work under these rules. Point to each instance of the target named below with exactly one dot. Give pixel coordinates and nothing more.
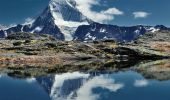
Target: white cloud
(113, 11)
(141, 83)
(140, 14)
(85, 6)
(86, 93)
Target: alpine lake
(146, 80)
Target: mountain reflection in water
(139, 83)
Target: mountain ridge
(64, 21)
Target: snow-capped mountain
(43, 24)
(65, 13)
(96, 31)
(60, 19)
(67, 17)
(65, 22)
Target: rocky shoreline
(58, 52)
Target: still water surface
(127, 85)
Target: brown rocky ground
(151, 44)
(30, 57)
(58, 52)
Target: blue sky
(16, 11)
(125, 12)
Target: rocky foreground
(31, 48)
(21, 51)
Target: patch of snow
(29, 21)
(37, 29)
(68, 32)
(140, 27)
(61, 22)
(69, 3)
(67, 23)
(22, 28)
(88, 36)
(5, 34)
(153, 30)
(56, 7)
(102, 30)
(137, 31)
(86, 39)
(93, 29)
(12, 25)
(105, 37)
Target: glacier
(67, 17)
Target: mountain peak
(70, 2)
(65, 13)
(66, 16)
